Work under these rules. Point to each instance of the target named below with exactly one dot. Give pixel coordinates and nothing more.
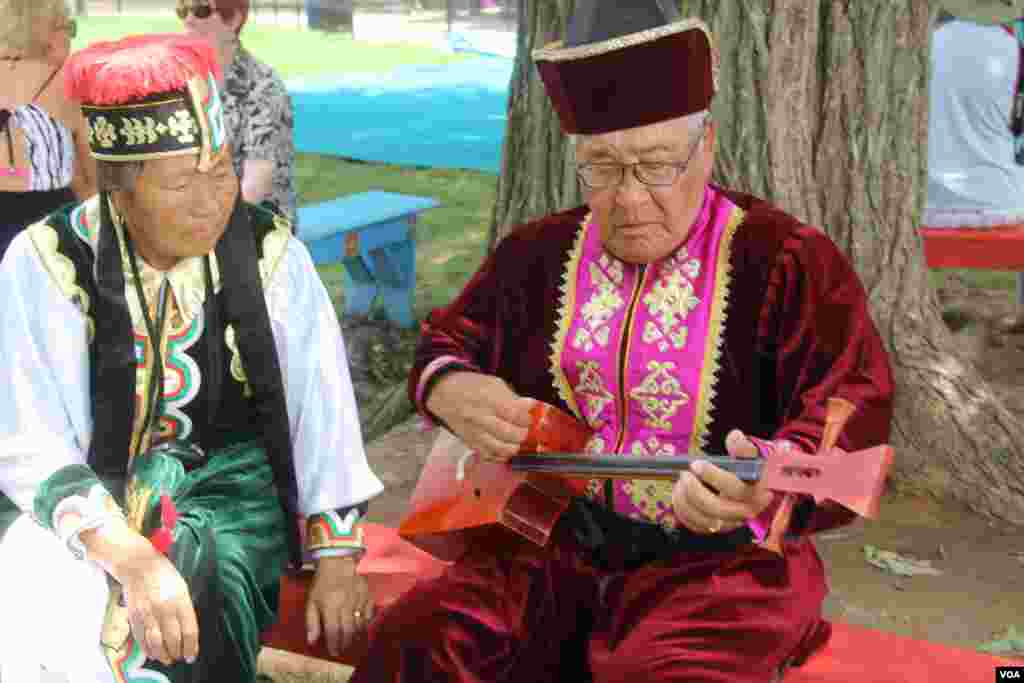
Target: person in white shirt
(974, 177)
(177, 396)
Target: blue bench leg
(359, 296)
(395, 265)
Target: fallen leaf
(1013, 643)
(897, 564)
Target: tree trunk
(822, 109)
(538, 168)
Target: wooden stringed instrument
(462, 501)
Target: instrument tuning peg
(837, 412)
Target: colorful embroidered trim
(329, 530)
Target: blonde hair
(27, 25)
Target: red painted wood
(997, 248)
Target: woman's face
(63, 30)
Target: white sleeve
(45, 410)
(330, 461)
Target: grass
(981, 279)
(293, 52)
(451, 239)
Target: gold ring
(716, 527)
(357, 614)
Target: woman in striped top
(44, 160)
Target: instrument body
(492, 505)
(463, 501)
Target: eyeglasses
(200, 11)
(71, 26)
(599, 176)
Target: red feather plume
(130, 69)
(163, 537)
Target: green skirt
(230, 545)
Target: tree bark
(822, 109)
(538, 167)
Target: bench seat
(998, 248)
(372, 235)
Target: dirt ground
(979, 591)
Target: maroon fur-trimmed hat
(599, 77)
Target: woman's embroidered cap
(148, 97)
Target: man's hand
(702, 510)
(339, 603)
(160, 609)
(483, 411)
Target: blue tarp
(445, 116)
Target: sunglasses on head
(200, 11)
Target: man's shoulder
(768, 231)
(547, 233)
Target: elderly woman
(44, 154)
(257, 107)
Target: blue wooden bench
(371, 235)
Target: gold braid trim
(566, 310)
(713, 344)
(62, 270)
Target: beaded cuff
(327, 532)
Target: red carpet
(854, 653)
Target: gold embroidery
(716, 324)
(653, 499)
(670, 301)
(62, 270)
(595, 446)
(557, 52)
(103, 132)
(591, 387)
(566, 311)
(183, 126)
(136, 503)
(652, 447)
(237, 369)
(606, 276)
(142, 131)
(660, 395)
(275, 244)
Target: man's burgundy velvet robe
(798, 332)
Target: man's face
(644, 223)
(176, 212)
(214, 28)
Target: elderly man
(177, 395)
(673, 317)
